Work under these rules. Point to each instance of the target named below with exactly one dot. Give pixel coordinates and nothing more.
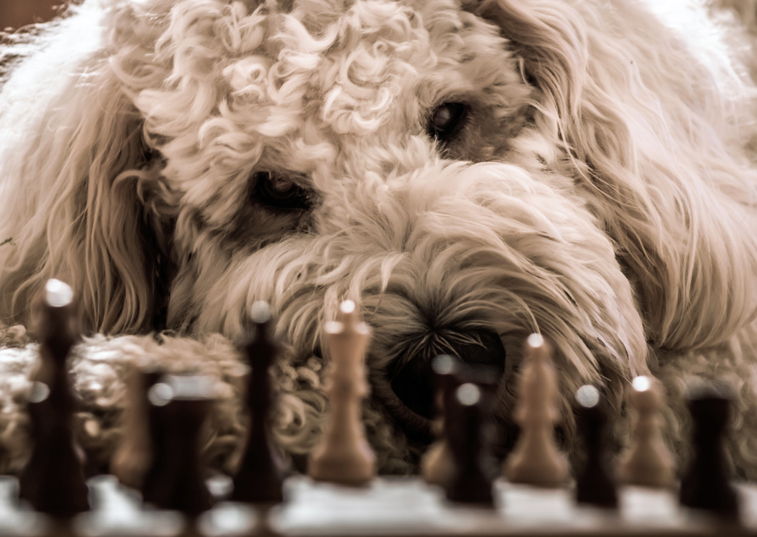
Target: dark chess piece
(705, 485)
(594, 484)
(53, 481)
(179, 406)
(436, 464)
(471, 475)
(260, 476)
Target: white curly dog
(467, 171)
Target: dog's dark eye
(279, 192)
(446, 120)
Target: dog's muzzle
(407, 387)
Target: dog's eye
(446, 120)
(279, 192)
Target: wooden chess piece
(648, 461)
(133, 457)
(260, 477)
(179, 406)
(706, 485)
(344, 456)
(594, 484)
(436, 464)
(53, 480)
(470, 480)
(536, 459)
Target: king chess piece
(343, 455)
(648, 461)
(536, 459)
(53, 481)
(260, 476)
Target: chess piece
(648, 462)
(344, 456)
(179, 406)
(594, 484)
(470, 479)
(53, 480)
(705, 485)
(436, 464)
(134, 454)
(536, 459)
(259, 478)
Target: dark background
(18, 13)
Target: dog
(467, 171)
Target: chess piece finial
(53, 480)
(259, 478)
(344, 456)
(594, 484)
(536, 459)
(648, 461)
(436, 464)
(705, 485)
(470, 480)
(179, 406)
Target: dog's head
(468, 173)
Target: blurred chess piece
(705, 484)
(259, 478)
(133, 456)
(648, 461)
(470, 479)
(344, 456)
(536, 459)
(594, 483)
(175, 480)
(436, 464)
(53, 480)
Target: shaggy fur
(602, 190)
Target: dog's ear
(77, 180)
(649, 126)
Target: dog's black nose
(412, 379)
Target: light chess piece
(648, 462)
(536, 459)
(344, 456)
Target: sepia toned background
(17, 13)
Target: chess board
(391, 507)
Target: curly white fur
(603, 192)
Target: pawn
(260, 477)
(53, 481)
(133, 456)
(536, 459)
(343, 455)
(436, 464)
(594, 485)
(705, 485)
(179, 406)
(470, 479)
(648, 462)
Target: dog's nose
(413, 382)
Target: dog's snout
(413, 381)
